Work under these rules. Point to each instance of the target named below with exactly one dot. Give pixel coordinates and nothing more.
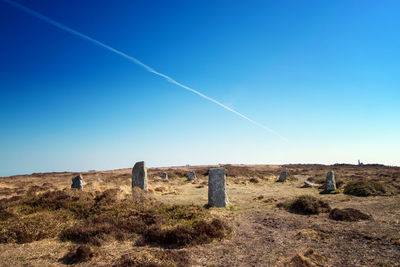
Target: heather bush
(348, 214)
(306, 205)
(364, 188)
(78, 254)
(93, 218)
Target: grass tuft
(254, 180)
(306, 205)
(349, 215)
(158, 259)
(200, 232)
(364, 188)
(78, 254)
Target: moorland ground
(45, 223)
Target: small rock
(310, 184)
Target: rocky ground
(263, 229)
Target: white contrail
(83, 36)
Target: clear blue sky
(323, 74)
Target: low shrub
(364, 188)
(31, 228)
(207, 231)
(78, 202)
(88, 232)
(200, 232)
(175, 237)
(179, 212)
(5, 215)
(78, 254)
(348, 214)
(35, 189)
(254, 180)
(160, 224)
(86, 218)
(164, 258)
(306, 205)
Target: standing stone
(139, 176)
(282, 177)
(330, 182)
(217, 191)
(164, 176)
(77, 182)
(191, 176)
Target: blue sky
(323, 74)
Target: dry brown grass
(308, 258)
(41, 223)
(98, 217)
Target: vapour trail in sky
(136, 61)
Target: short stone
(330, 182)
(139, 176)
(164, 176)
(282, 177)
(217, 190)
(310, 184)
(192, 176)
(78, 182)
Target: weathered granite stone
(282, 177)
(310, 184)
(77, 182)
(192, 176)
(164, 176)
(330, 182)
(139, 176)
(217, 190)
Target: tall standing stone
(191, 176)
(164, 176)
(77, 182)
(217, 190)
(330, 182)
(139, 176)
(282, 177)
